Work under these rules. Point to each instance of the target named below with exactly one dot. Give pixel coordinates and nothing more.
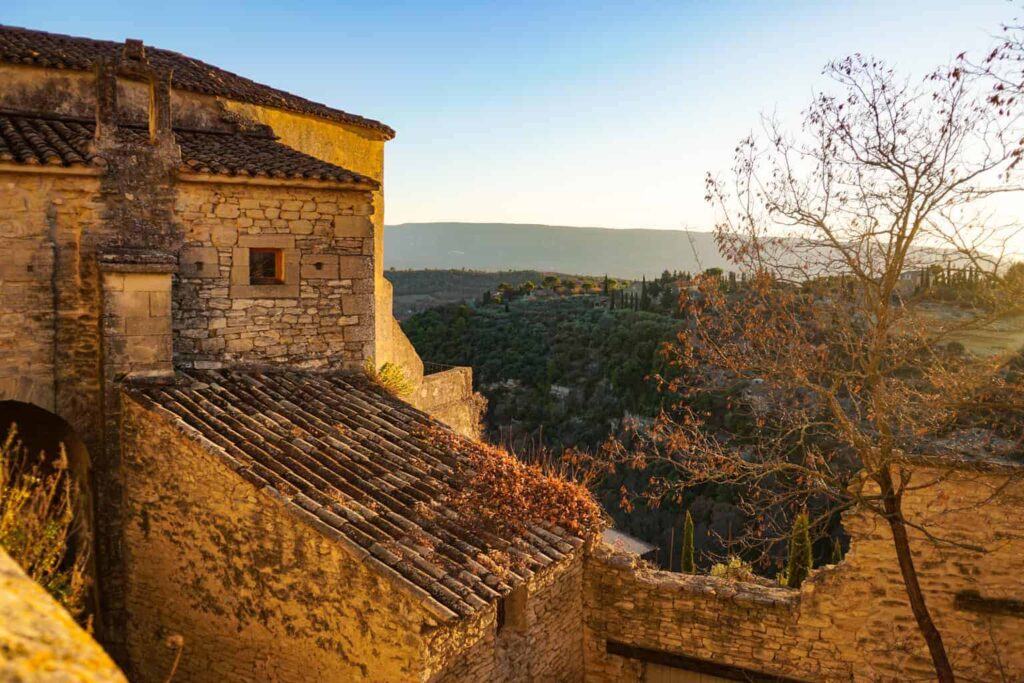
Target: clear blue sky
(571, 113)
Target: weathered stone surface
(299, 322)
(248, 561)
(848, 621)
(72, 334)
(449, 397)
(39, 641)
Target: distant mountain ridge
(626, 253)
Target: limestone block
(352, 267)
(146, 282)
(224, 235)
(353, 226)
(199, 262)
(148, 326)
(226, 211)
(301, 227)
(39, 638)
(358, 333)
(357, 304)
(160, 303)
(319, 266)
(129, 304)
(148, 348)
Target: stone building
(190, 281)
(191, 284)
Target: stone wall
(39, 641)
(137, 324)
(448, 396)
(850, 621)
(542, 643)
(321, 317)
(257, 594)
(49, 295)
(362, 151)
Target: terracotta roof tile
(39, 48)
(362, 463)
(52, 141)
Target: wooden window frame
(278, 278)
(288, 268)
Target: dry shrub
(505, 494)
(37, 522)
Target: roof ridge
(88, 120)
(191, 74)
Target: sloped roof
(66, 141)
(346, 454)
(39, 48)
(620, 540)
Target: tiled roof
(344, 453)
(25, 46)
(50, 141)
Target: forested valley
(567, 372)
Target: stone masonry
(848, 622)
(321, 317)
(40, 641)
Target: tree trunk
(892, 503)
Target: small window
(501, 615)
(266, 266)
(512, 611)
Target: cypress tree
(800, 556)
(686, 563)
(837, 551)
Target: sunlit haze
(570, 113)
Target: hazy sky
(571, 113)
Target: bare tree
(835, 350)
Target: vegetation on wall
(37, 521)
(389, 377)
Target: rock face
(39, 641)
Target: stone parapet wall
(39, 641)
(545, 644)
(448, 396)
(851, 621)
(323, 314)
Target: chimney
(134, 51)
(133, 65)
(106, 99)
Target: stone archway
(42, 433)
